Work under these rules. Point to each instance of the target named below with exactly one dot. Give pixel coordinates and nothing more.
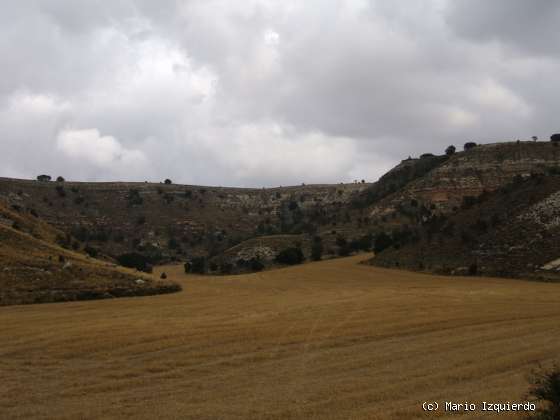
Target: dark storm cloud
(264, 92)
(529, 27)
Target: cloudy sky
(267, 92)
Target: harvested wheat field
(328, 340)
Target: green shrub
(290, 256)
(92, 252)
(343, 246)
(81, 233)
(226, 268)
(60, 191)
(469, 145)
(134, 198)
(364, 243)
(317, 249)
(382, 242)
(545, 389)
(135, 260)
(256, 264)
(198, 265)
(173, 243)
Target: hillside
(512, 232)
(176, 222)
(35, 270)
(242, 229)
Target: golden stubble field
(328, 340)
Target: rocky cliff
(468, 174)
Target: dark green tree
(382, 242)
(317, 248)
(290, 256)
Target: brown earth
(328, 340)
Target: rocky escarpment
(468, 174)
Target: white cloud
(271, 37)
(461, 118)
(274, 152)
(490, 94)
(36, 103)
(89, 147)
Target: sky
(266, 93)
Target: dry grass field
(328, 340)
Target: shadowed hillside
(512, 231)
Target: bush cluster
(290, 256)
(545, 389)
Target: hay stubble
(324, 340)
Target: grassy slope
(328, 340)
(31, 272)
